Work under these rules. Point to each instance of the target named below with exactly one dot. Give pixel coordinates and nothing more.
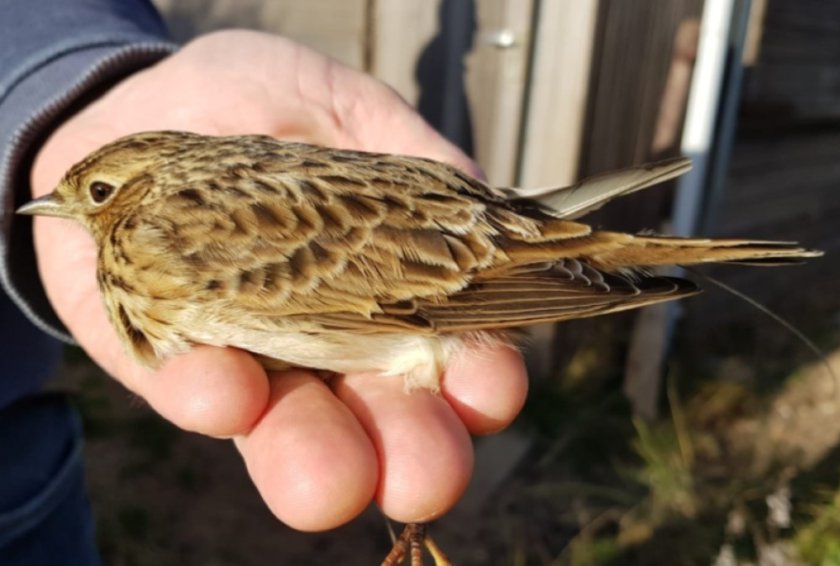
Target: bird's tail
(650, 251)
(617, 251)
(614, 251)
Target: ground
(733, 472)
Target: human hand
(317, 453)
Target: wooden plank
(784, 175)
(781, 187)
(337, 28)
(755, 29)
(636, 49)
(552, 122)
(401, 31)
(557, 101)
(496, 79)
(796, 78)
(798, 91)
(479, 108)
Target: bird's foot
(412, 540)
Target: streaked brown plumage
(349, 261)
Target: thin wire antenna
(817, 351)
(390, 526)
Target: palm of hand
(317, 454)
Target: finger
(486, 386)
(425, 453)
(310, 459)
(219, 392)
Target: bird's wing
(512, 301)
(592, 193)
(411, 244)
(286, 237)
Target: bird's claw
(412, 540)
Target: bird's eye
(100, 191)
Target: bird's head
(101, 187)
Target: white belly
(420, 358)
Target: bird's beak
(47, 205)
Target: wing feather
(594, 192)
(505, 303)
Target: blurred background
(700, 433)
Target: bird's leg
(412, 540)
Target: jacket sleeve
(55, 55)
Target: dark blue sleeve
(54, 54)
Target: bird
(344, 261)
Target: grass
(818, 540)
(702, 482)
